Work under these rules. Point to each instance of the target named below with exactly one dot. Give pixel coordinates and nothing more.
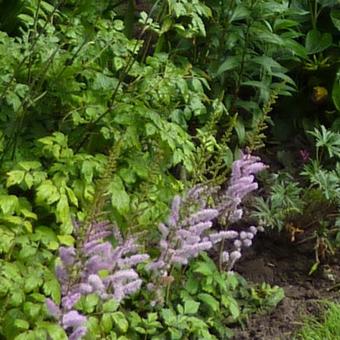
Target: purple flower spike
(70, 300)
(67, 255)
(53, 309)
(78, 334)
(174, 217)
(73, 319)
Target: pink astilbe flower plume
(188, 232)
(92, 255)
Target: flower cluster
(236, 241)
(78, 274)
(187, 233)
(242, 182)
(183, 239)
(184, 236)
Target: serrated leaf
(17, 298)
(29, 180)
(120, 321)
(21, 324)
(55, 331)
(119, 197)
(90, 303)
(14, 177)
(29, 165)
(27, 251)
(13, 219)
(32, 309)
(232, 305)
(192, 285)
(191, 307)
(110, 306)
(28, 214)
(51, 287)
(204, 268)
(169, 316)
(71, 196)
(47, 193)
(63, 209)
(106, 323)
(67, 240)
(8, 204)
(210, 301)
(44, 235)
(33, 281)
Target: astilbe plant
(188, 230)
(78, 273)
(187, 233)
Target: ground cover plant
(328, 328)
(132, 142)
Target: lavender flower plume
(53, 309)
(233, 257)
(96, 283)
(67, 255)
(73, 319)
(223, 235)
(78, 273)
(69, 300)
(78, 333)
(174, 216)
(242, 182)
(247, 243)
(204, 215)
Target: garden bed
(287, 265)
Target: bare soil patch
(279, 262)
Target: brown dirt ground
(285, 264)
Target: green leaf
(14, 177)
(232, 305)
(51, 287)
(21, 324)
(241, 131)
(336, 91)
(317, 42)
(44, 235)
(335, 16)
(204, 268)
(192, 285)
(87, 170)
(71, 196)
(120, 321)
(8, 204)
(110, 306)
(28, 214)
(32, 309)
(169, 316)
(47, 193)
(33, 281)
(29, 165)
(90, 303)
(119, 197)
(63, 209)
(17, 298)
(106, 322)
(67, 240)
(191, 307)
(55, 331)
(27, 251)
(210, 301)
(229, 64)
